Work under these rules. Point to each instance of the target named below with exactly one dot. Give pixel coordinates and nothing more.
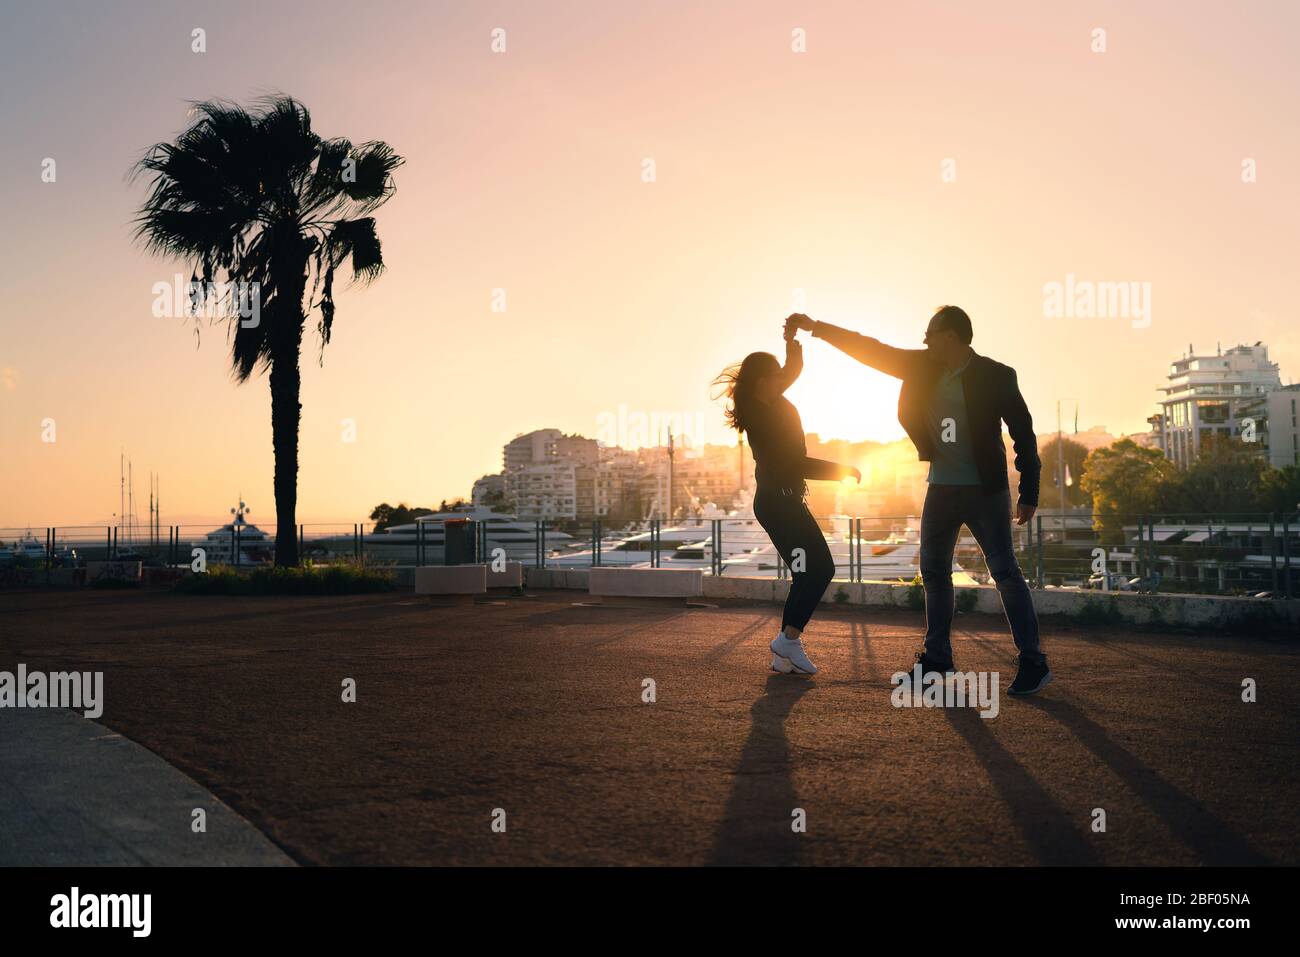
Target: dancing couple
(952, 404)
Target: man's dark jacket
(992, 396)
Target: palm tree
(258, 201)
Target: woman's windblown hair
(737, 383)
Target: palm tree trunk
(286, 387)
(286, 411)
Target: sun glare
(843, 399)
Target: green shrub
(344, 578)
(841, 595)
(967, 599)
(916, 594)
(1096, 612)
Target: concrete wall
(1179, 611)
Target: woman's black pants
(800, 542)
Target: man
(952, 405)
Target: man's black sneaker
(1031, 677)
(929, 664)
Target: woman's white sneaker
(792, 652)
(781, 666)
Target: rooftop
(534, 705)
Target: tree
(1279, 491)
(257, 203)
(385, 515)
(1124, 480)
(497, 500)
(1075, 455)
(1224, 478)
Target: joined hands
(794, 322)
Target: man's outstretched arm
(899, 363)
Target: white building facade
(1283, 434)
(1224, 395)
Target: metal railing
(1181, 553)
(1186, 553)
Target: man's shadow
(1043, 823)
(1208, 836)
(756, 823)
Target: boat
(238, 542)
(26, 549)
(517, 537)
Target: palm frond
(260, 197)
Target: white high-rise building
(543, 446)
(1220, 395)
(1283, 433)
(547, 491)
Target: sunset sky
(776, 171)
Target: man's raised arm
(872, 352)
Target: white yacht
(748, 552)
(518, 537)
(28, 548)
(254, 546)
(685, 543)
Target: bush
(345, 578)
(916, 594)
(1097, 612)
(967, 599)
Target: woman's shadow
(756, 823)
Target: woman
(759, 409)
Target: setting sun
(839, 398)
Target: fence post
(541, 545)
(1155, 556)
(1272, 547)
(1038, 520)
(1286, 557)
(1144, 557)
(1029, 547)
(595, 542)
(1152, 558)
